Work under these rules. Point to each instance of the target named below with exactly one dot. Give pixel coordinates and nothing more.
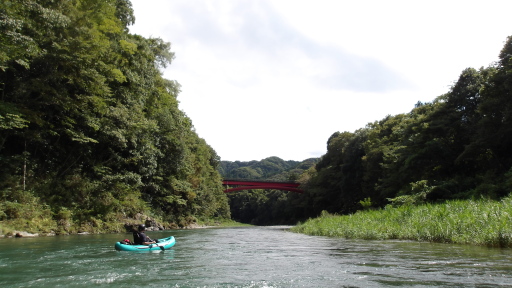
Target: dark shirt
(140, 237)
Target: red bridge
(238, 185)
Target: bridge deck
(252, 184)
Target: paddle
(158, 245)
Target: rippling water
(249, 257)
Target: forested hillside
(90, 132)
(271, 168)
(266, 207)
(456, 147)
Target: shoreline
(468, 222)
(25, 234)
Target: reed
(481, 222)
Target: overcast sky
(277, 78)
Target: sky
(262, 78)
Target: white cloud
(277, 78)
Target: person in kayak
(140, 238)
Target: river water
(249, 257)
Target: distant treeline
(271, 168)
(265, 207)
(90, 131)
(456, 147)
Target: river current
(249, 257)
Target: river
(249, 257)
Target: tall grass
(482, 222)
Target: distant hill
(271, 168)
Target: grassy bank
(482, 222)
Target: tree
(85, 108)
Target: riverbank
(482, 222)
(13, 232)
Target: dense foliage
(265, 207)
(90, 131)
(271, 168)
(456, 147)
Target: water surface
(249, 257)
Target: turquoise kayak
(163, 244)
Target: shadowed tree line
(90, 131)
(266, 207)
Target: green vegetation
(271, 169)
(482, 222)
(455, 148)
(266, 207)
(91, 138)
(91, 135)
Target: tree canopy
(89, 125)
(455, 147)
